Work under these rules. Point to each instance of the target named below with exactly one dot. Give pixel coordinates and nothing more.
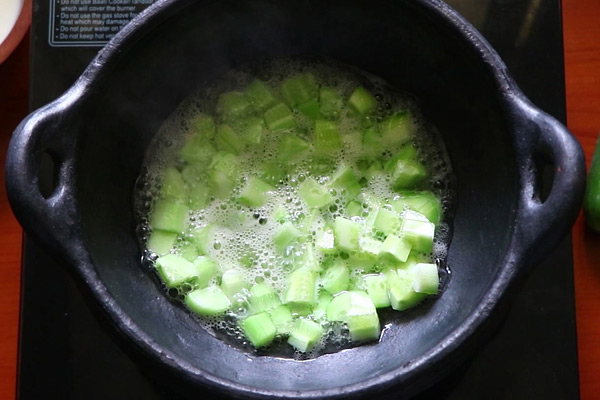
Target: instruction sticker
(90, 22)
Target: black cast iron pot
(98, 131)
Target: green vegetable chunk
(326, 137)
(292, 148)
(396, 130)
(362, 101)
(425, 278)
(161, 242)
(299, 89)
(395, 248)
(286, 235)
(208, 301)
(282, 319)
(206, 269)
(419, 234)
(347, 233)
(386, 221)
(233, 283)
(331, 103)
(376, 287)
(301, 293)
(229, 141)
(260, 95)
(314, 194)
(346, 181)
(259, 329)
(400, 291)
(174, 270)
(336, 278)
(169, 215)
(305, 334)
(424, 202)
(279, 117)
(233, 105)
(591, 200)
(363, 327)
(255, 193)
(263, 298)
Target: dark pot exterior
(98, 131)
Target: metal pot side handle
(545, 218)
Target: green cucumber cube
(226, 163)
(400, 291)
(229, 141)
(273, 173)
(206, 269)
(326, 137)
(282, 319)
(331, 103)
(347, 182)
(197, 149)
(208, 301)
(286, 234)
(326, 242)
(314, 194)
(187, 249)
(395, 248)
(299, 89)
(363, 327)
(259, 329)
(425, 278)
(203, 237)
(387, 221)
(305, 334)
(169, 215)
(301, 292)
(255, 193)
(233, 105)
(419, 234)
(362, 101)
(407, 174)
(251, 130)
(263, 298)
(354, 209)
(203, 125)
(353, 302)
(173, 184)
(376, 288)
(161, 242)
(310, 108)
(291, 148)
(336, 278)
(320, 311)
(233, 283)
(396, 130)
(260, 95)
(279, 117)
(347, 233)
(174, 270)
(425, 203)
(369, 247)
(220, 183)
(371, 140)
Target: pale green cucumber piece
(371, 140)
(320, 311)
(299, 89)
(362, 101)
(208, 301)
(419, 234)
(206, 268)
(263, 298)
(233, 283)
(175, 270)
(279, 117)
(354, 209)
(310, 109)
(273, 173)
(400, 291)
(425, 278)
(363, 327)
(369, 247)
(223, 174)
(260, 95)
(305, 334)
(197, 147)
(353, 302)
(314, 194)
(203, 237)
(233, 105)
(203, 125)
(407, 174)
(229, 141)
(169, 215)
(346, 181)
(331, 103)
(301, 292)
(336, 277)
(161, 242)
(286, 234)
(251, 130)
(376, 288)
(226, 163)
(425, 203)
(255, 193)
(326, 242)
(326, 137)
(387, 221)
(375, 168)
(396, 130)
(259, 329)
(347, 233)
(408, 151)
(199, 195)
(395, 248)
(308, 260)
(187, 249)
(173, 184)
(280, 214)
(282, 319)
(292, 148)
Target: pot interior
(404, 42)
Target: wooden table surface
(581, 20)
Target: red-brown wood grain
(581, 19)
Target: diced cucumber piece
(363, 326)
(395, 248)
(197, 149)
(345, 180)
(199, 195)
(331, 103)
(371, 140)
(305, 334)
(273, 173)
(336, 278)
(326, 242)
(169, 215)
(419, 234)
(376, 287)
(203, 237)
(279, 117)
(187, 249)
(320, 311)
(233, 105)
(286, 234)
(280, 214)
(223, 174)
(387, 221)
(203, 125)
(425, 278)
(229, 141)
(425, 203)
(346, 234)
(260, 95)
(314, 194)
(301, 293)
(174, 270)
(208, 301)
(407, 152)
(220, 183)
(369, 247)
(354, 302)
(310, 108)
(233, 283)
(225, 162)
(299, 89)
(292, 148)
(282, 319)
(173, 184)
(354, 209)
(259, 329)
(407, 174)
(255, 193)
(206, 269)
(326, 137)
(161, 242)
(263, 298)
(251, 130)
(400, 291)
(396, 130)
(362, 101)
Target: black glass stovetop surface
(65, 353)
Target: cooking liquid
(243, 232)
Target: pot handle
(47, 134)
(554, 154)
